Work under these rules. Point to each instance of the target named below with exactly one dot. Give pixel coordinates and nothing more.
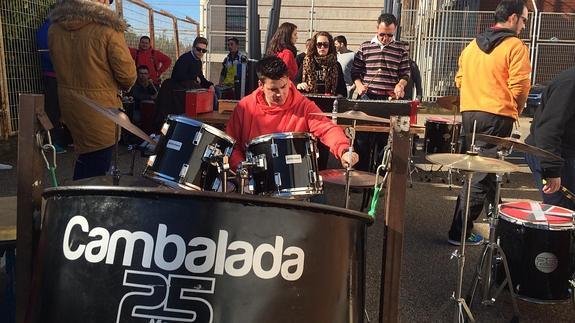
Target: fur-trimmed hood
(74, 14)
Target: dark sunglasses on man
(201, 50)
(322, 44)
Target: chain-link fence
(20, 70)
(19, 60)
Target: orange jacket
(497, 82)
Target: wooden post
(394, 219)
(152, 31)
(176, 36)
(5, 125)
(29, 200)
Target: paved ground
(428, 275)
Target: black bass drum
(118, 254)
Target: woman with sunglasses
(320, 73)
(282, 45)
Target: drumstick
(567, 193)
(373, 78)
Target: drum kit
(531, 251)
(192, 155)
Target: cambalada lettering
(205, 255)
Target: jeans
(567, 181)
(482, 184)
(92, 164)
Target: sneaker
(5, 167)
(473, 240)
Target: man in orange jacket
(156, 61)
(277, 106)
(493, 79)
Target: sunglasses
(320, 45)
(201, 50)
(386, 34)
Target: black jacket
(340, 89)
(188, 70)
(414, 82)
(553, 126)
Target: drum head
(279, 135)
(537, 215)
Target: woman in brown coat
(91, 58)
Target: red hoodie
(156, 61)
(253, 117)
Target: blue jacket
(42, 43)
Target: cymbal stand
(348, 169)
(461, 305)
(115, 171)
(492, 250)
(452, 146)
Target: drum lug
(278, 179)
(261, 162)
(312, 177)
(183, 172)
(274, 149)
(197, 138)
(165, 128)
(228, 151)
(310, 148)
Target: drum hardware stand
(492, 250)
(115, 171)
(244, 167)
(462, 307)
(348, 169)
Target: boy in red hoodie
(277, 106)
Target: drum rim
(193, 122)
(279, 135)
(449, 122)
(63, 191)
(184, 119)
(567, 226)
(215, 131)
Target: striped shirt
(372, 56)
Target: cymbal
(118, 117)
(357, 178)
(450, 102)
(352, 115)
(472, 163)
(517, 145)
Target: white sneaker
(5, 167)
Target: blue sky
(179, 8)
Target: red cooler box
(198, 101)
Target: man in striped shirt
(380, 70)
(381, 66)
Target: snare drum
(540, 250)
(187, 155)
(286, 165)
(440, 133)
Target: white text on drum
(211, 256)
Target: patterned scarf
(328, 67)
